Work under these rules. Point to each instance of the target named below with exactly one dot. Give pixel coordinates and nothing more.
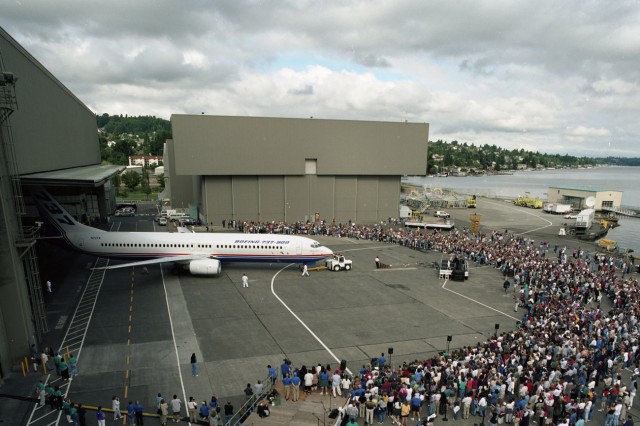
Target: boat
(593, 233)
(447, 225)
(586, 228)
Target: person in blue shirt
(204, 411)
(295, 384)
(213, 404)
(101, 416)
(131, 414)
(138, 413)
(382, 361)
(286, 381)
(273, 374)
(285, 368)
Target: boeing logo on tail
(200, 253)
(52, 209)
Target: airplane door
(80, 242)
(298, 248)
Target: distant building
(145, 160)
(603, 198)
(291, 169)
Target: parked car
(440, 213)
(126, 211)
(162, 221)
(187, 222)
(572, 215)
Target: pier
(622, 211)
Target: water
(537, 183)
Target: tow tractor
(338, 263)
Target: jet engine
(205, 267)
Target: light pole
(449, 339)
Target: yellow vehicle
(471, 202)
(532, 203)
(608, 245)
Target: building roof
(95, 175)
(577, 188)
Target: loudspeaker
(343, 365)
(334, 413)
(497, 326)
(449, 338)
(390, 351)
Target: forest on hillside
(122, 136)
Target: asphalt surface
(146, 324)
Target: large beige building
(287, 169)
(577, 197)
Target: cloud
(582, 131)
(306, 90)
(555, 76)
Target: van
(178, 216)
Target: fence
(245, 410)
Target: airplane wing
(155, 261)
(184, 230)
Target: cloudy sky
(552, 76)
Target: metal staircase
(11, 189)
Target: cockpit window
(315, 244)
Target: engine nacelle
(205, 267)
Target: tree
(160, 180)
(131, 179)
(145, 182)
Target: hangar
(47, 137)
(290, 169)
(604, 198)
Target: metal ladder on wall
(25, 238)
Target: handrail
(250, 404)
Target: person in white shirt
(308, 382)
(346, 385)
(466, 406)
(176, 407)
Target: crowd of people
(565, 359)
(563, 362)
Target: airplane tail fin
(56, 218)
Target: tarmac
(141, 327)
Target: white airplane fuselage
(224, 247)
(201, 253)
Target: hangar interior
(47, 137)
(291, 170)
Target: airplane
(199, 253)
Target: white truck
(338, 263)
(443, 214)
(556, 208)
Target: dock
(446, 226)
(622, 211)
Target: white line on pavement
(479, 303)
(298, 318)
